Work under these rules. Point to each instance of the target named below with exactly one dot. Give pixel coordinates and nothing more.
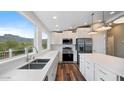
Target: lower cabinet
(82, 65)
(94, 72)
(52, 71)
(102, 74)
(89, 68)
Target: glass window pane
(44, 40)
(16, 33)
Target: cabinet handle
(102, 72)
(102, 79)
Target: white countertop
(32, 74)
(113, 64)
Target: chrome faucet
(36, 50)
(29, 57)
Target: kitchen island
(102, 67)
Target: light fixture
(92, 32)
(112, 12)
(110, 24)
(104, 27)
(119, 20)
(70, 27)
(85, 23)
(99, 21)
(57, 29)
(54, 17)
(57, 25)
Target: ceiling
(67, 19)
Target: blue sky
(14, 23)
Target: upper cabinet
(67, 34)
(74, 37)
(83, 33)
(56, 38)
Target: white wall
(99, 42)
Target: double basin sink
(36, 64)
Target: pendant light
(104, 27)
(92, 32)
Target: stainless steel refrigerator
(83, 45)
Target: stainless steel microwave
(67, 41)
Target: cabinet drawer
(102, 74)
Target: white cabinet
(89, 71)
(53, 69)
(74, 37)
(92, 71)
(83, 33)
(102, 74)
(67, 34)
(75, 55)
(82, 65)
(56, 38)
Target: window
(16, 34)
(44, 40)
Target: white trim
(115, 17)
(27, 17)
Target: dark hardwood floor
(68, 72)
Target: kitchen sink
(41, 61)
(33, 66)
(36, 64)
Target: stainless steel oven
(67, 54)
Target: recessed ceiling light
(112, 12)
(99, 20)
(57, 29)
(85, 23)
(54, 17)
(57, 25)
(70, 27)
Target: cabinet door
(82, 65)
(102, 74)
(83, 33)
(74, 38)
(53, 70)
(75, 56)
(89, 68)
(67, 34)
(56, 38)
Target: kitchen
(82, 49)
